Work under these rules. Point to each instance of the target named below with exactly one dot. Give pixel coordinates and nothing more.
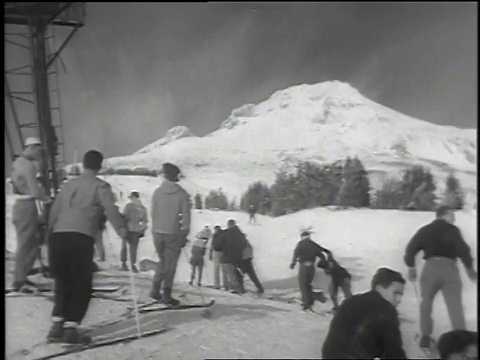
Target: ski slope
(361, 240)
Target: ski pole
(137, 319)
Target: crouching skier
(73, 224)
(306, 253)
(340, 279)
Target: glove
(292, 266)
(412, 274)
(472, 274)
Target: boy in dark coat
(366, 326)
(306, 253)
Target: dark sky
(135, 70)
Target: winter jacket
(80, 204)
(170, 209)
(307, 251)
(24, 180)
(232, 246)
(365, 326)
(136, 216)
(217, 240)
(439, 238)
(204, 234)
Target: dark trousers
(71, 256)
(246, 267)
(306, 273)
(340, 283)
(199, 270)
(133, 239)
(168, 248)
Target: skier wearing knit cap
(171, 212)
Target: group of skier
(364, 325)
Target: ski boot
(56, 332)
(134, 269)
(124, 267)
(155, 293)
(72, 336)
(167, 297)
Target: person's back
(136, 215)
(170, 205)
(81, 206)
(234, 245)
(366, 326)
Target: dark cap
(170, 171)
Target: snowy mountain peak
(175, 133)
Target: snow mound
(175, 133)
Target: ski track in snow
(242, 327)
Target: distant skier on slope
(366, 326)
(251, 212)
(171, 214)
(306, 253)
(442, 243)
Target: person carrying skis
(340, 278)
(441, 243)
(199, 248)
(232, 246)
(246, 267)
(171, 213)
(366, 326)
(306, 253)
(73, 224)
(215, 256)
(137, 219)
(25, 216)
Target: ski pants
(306, 273)
(217, 268)
(441, 274)
(99, 245)
(234, 278)
(25, 221)
(197, 269)
(168, 247)
(133, 239)
(71, 256)
(341, 283)
(246, 267)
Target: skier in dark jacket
(366, 326)
(340, 279)
(232, 246)
(306, 253)
(441, 243)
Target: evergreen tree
(355, 185)
(418, 189)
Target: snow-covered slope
(323, 122)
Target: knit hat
(170, 172)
